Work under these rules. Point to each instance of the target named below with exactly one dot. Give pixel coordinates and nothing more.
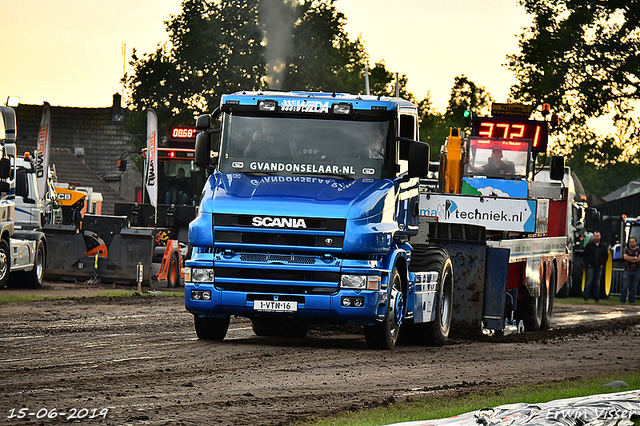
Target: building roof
(96, 135)
(86, 143)
(631, 188)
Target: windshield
(181, 182)
(305, 146)
(506, 158)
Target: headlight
(201, 295)
(198, 275)
(360, 282)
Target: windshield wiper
(260, 173)
(338, 175)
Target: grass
(439, 408)
(612, 300)
(19, 298)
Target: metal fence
(616, 282)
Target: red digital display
(506, 128)
(183, 133)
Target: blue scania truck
(312, 215)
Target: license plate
(274, 306)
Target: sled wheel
(173, 277)
(547, 314)
(530, 310)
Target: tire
(5, 263)
(211, 328)
(35, 277)
(530, 310)
(173, 277)
(577, 272)
(549, 296)
(384, 335)
(289, 329)
(565, 291)
(436, 333)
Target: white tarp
(605, 409)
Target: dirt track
(140, 359)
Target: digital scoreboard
(183, 133)
(513, 128)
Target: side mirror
(556, 170)
(203, 122)
(203, 151)
(22, 187)
(5, 168)
(418, 159)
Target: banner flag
(151, 175)
(42, 151)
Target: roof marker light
(267, 105)
(342, 108)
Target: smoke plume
(277, 18)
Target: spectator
(631, 272)
(178, 191)
(595, 259)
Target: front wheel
(211, 328)
(5, 263)
(35, 277)
(385, 334)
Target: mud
(139, 359)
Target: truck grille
(325, 233)
(282, 258)
(316, 224)
(330, 278)
(278, 239)
(302, 282)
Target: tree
(214, 48)
(219, 46)
(465, 95)
(323, 58)
(581, 56)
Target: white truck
(22, 246)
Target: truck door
(407, 204)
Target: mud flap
(497, 267)
(468, 286)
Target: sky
(70, 52)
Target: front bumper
(312, 308)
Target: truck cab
(306, 216)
